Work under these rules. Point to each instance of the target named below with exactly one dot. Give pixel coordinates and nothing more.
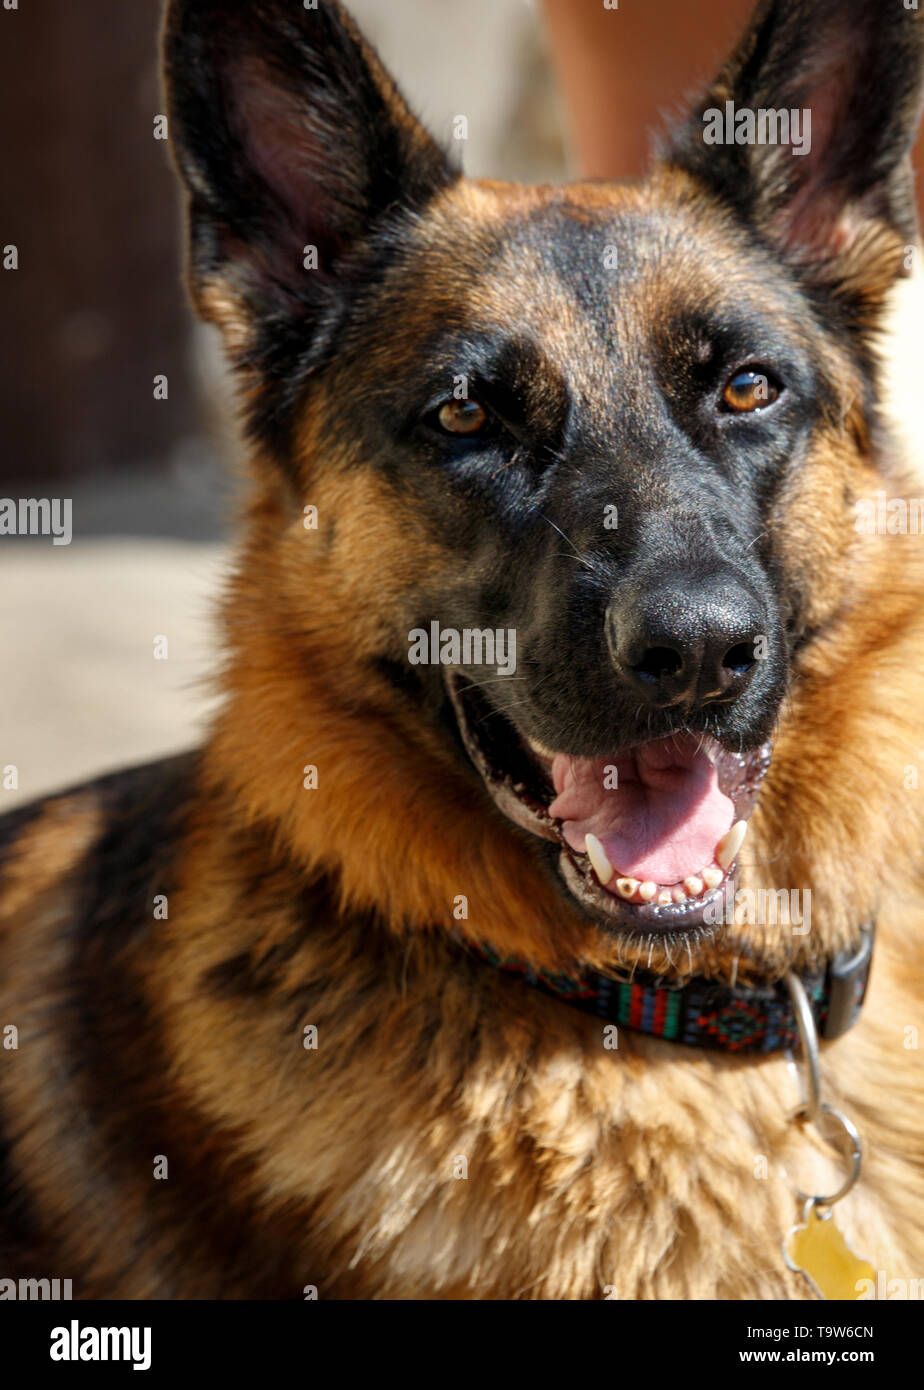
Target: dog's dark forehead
(586, 276)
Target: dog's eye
(462, 417)
(751, 389)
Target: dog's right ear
(295, 146)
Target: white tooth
(665, 896)
(711, 877)
(626, 887)
(730, 844)
(678, 894)
(647, 890)
(599, 862)
(693, 885)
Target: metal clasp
(848, 974)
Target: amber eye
(462, 417)
(750, 390)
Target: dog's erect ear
(841, 82)
(295, 146)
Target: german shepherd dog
(552, 584)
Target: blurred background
(96, 310)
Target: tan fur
(635, 1173)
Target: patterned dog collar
(703, 1013)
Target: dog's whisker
(576, 553)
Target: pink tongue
(663, 819)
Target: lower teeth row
(634, 890)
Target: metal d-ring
(856, 1155)
(808, 1037)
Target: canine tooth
(730, 844)
(626, 887)
(693, 885)
(711, 877)
(665, 896)
(647, 890)
(678, 894)
(599, 862)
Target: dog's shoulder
(102, 840)
(80, 875)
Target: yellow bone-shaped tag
(819, 1251)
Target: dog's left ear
(841, 83)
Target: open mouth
(649, 835)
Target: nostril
(659, 662)
(740, 658)
(689, 641)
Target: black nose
(687, 641)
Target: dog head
(555, 504)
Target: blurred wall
(95, 309)
(484, 59)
